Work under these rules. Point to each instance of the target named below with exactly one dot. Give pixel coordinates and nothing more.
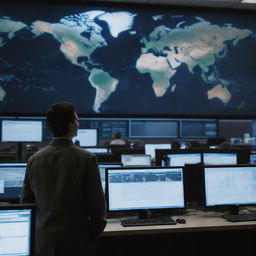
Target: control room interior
(185, 113)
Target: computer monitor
(98, 150)
(180, 159)
(11, 181)
(22, 130)
(144, 188)
(150, 148)
(86, 137)
(102, 168)
(17, 230)
(153, 128)
(252, 158)
(136, 160)
(13, 164)
(196, 128)
(229, 185)
(219, 158)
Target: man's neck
(63, 137)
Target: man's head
(118, 135)
(62, 119)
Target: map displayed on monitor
(165, 61)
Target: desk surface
(195, 222)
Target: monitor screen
(157, 128)
(178, 61)
(102, 168)
(150, 148)
(22, 131)
(252, 158)
(86, 137)
(11, 180)
(13, 164)
(198, 128)
(181, 159)
(230, 185)
(98, 150)
(17, 230)
(219, 158)
(136, 160)
(108, 127)
(145, 188)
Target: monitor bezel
(31, 207)
(155, 210)
(221, 206)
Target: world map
(97, 56)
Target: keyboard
(240, 217)
(148, 222)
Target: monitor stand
(233, 210)
(144, 214)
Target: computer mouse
(180, 220)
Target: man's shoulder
(66, 150)
(39, 152)
(82, 151)
(79, 152)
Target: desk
(203, 234)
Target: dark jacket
(64, 182)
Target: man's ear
(72, 126)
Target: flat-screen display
(11, 180)
(252, 158)
(136, 160)
(230, 185)
(219, 158)
(102, 168)
(183, 158)
(198, 128)
(22, 131)
(108, 128)
(153, 128)
(150, 149)
(178, 61)
(98, 150)
(145, 188)
(17, 224)
(86, 138)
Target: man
(118, 140)
(63, 181)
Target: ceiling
(234, 4)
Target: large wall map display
(127, 61)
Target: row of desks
(204, 233)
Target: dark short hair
(59, 116)
(118, 135)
